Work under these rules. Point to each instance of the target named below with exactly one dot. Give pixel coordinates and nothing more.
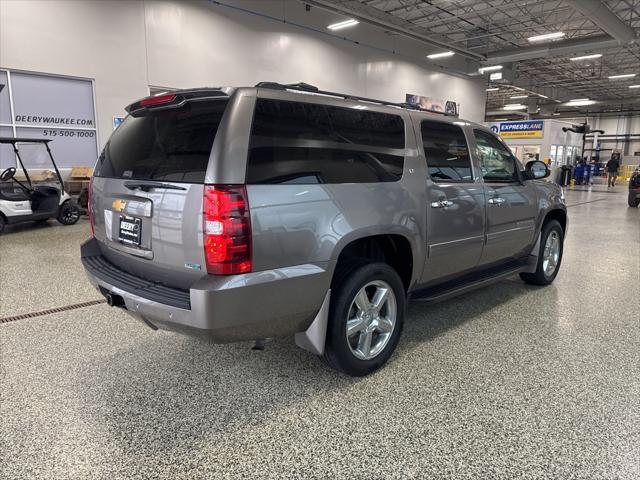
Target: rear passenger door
(511, 202)
(455, 202)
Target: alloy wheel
(371, 320)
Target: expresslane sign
(523, 129)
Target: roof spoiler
(174, 98)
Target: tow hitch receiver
(113, 300)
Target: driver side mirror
(7, 174)
(536, 170)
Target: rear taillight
(227, 229)
(89, 207)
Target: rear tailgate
(148, 190)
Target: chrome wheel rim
(371, 320)
(551, 254)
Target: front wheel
(550, 255)
(634, 199)
(365, 317)
(69, 213)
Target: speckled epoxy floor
(508, 382)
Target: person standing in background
(613, 166)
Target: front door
(511, 203)
(455, 203)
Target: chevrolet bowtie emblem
(118, 205)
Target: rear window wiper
(146, 185)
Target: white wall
(621, 125)
(128, 45)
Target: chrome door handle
(442, 204)
(496, 201)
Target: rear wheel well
(559, 215)
(394, 250)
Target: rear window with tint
(171, 144)
(304, 143)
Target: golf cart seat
(12, 192)
(45, 199)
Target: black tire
(350, 277)
(634, 199)
(540, 277)
(3, 222)
(69, 213)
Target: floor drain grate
(49, 311)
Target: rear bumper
(264, 304)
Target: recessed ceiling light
(519, 96)
(492, 89)
(546, 36)
(579, 103)
(625, 75)
(347, 23)
(514, 106)
(490, 68)
(586, 57)
(634, 86)
(441, 55)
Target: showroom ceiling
(498, 32)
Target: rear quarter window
(169, 144)
(305, 143)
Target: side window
(306, 143)
(496, 161)
(446, 151)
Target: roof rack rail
(305, 87)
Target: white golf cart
(22, 201)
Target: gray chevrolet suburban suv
(251, 213)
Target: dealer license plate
(130, 231)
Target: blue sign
(523, 129)
(117, 121)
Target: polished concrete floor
(508, 382)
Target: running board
(470, 282)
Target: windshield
(171, 144)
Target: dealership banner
(431, 104)
(520, 129)
(36, 105)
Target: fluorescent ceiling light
(360, 107)
(579, 103)
(495, 76)
(441, 55)
(517, 88)
(492, 89)
(514, 106)
(546, 36)
(500, 119)
(542, 96)
(490, 68)
(634, 86)
(347, 23)
(626, 75)
(579, 100)
(519, 96)
(586, 57)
